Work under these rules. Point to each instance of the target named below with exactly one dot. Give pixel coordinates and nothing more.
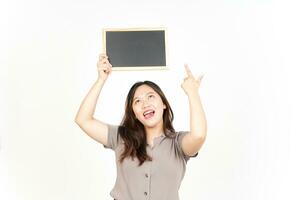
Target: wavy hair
(132, 131)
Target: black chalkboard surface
(131, 49)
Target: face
(148, 106)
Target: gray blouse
(158, 179)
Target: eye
(151, 96)
(137, 101)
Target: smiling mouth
(148, 114)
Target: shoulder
(178, 141)
(113, 136)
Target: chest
(165, 165)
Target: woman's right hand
(104, 67)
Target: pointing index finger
(188, 71)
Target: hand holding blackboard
(104, 67)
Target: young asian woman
(151, 156)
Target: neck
(155, 131)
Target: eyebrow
(146, 94)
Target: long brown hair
(132, 130)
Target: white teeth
(147, 112)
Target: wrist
(100, 81)
(193, 95)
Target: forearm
(88, 105)
(198, 125)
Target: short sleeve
(179, 138)
(112, 137)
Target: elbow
(77, 120)
(80, 120)
(200, 135)
(203, 135)
(201, 138)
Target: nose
(145, 103)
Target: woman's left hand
(191, 85)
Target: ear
(164, 106)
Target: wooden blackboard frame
(140, 31)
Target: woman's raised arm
(192, 142)
(85, 116)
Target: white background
(247, 50)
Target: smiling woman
(151, 156)
(147, 116)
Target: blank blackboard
(132, 49)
